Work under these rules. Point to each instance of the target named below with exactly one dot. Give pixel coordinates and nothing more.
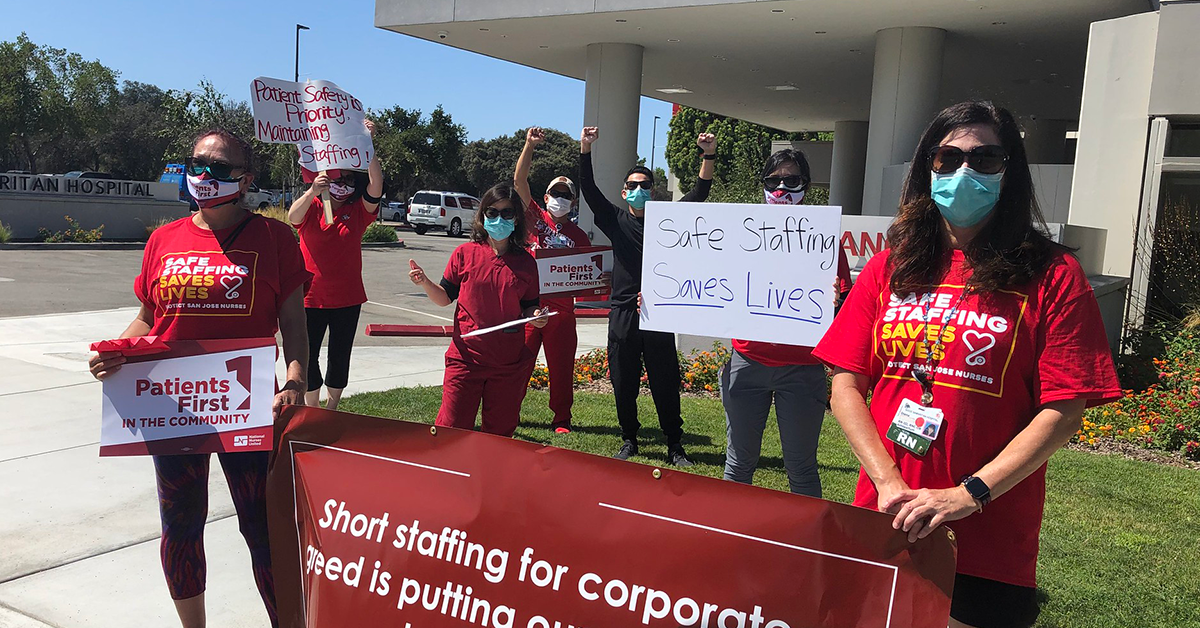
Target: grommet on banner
(950, 535)
(433, 430)
(657, 473)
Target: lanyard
(924, 374)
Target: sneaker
(628, 448)
(677, 458)
(562, 430)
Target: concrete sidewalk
(79, 534)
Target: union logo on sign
(241, 441)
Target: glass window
(427, 198)
(1184, 141)
(450, 202)
(466, 203)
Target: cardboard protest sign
(574, 271)
(380, 522)
(324, 121)
(756, 272)
(188, 396)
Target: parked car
(256, 198)
(394, 211)
(451, 212)
(87, 174)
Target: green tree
(54, 107)
(418, 152)
(137, 138)
(488, 162)
(742, 148)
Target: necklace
(924, 374)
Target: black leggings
(343, 324)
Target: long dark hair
(497, 193)
(1009, 251)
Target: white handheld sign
(754, 272)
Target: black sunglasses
(987, 159)
(506, 213)
(791, 182)
(219, 170)
(633, 185)
(561, 194)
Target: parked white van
(451, 212)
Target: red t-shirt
(491, 290)
(1007, 353)
(199, 292)
(544, 233)
(774, 354)
(333, 254)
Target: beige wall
(1113, 125)
(1176, 88)
(123, 219)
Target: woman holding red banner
(552, 228)
(760, 374)
(256, 288)
(333, 254)
(495, 281)
(975, 322)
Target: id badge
(915, 427)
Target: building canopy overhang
(794, 64)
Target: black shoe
(628, 448)
(676, 457)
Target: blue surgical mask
(637, 198)
(498, 228)
(965, 197)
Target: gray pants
(747, 388)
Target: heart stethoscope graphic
(975, 358)
(231, 284)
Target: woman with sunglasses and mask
(245, 278)
(552, 228)
(333, 254)
(495, 280)
(974, 321)
(759, 373)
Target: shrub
(379, 232)
(5, 233)
(1164, 415)
(152, 227)
(74, 233)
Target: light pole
(299, 27)
(296, 78)
(653, 140)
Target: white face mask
(340, 192)
(210, 192)
(783, 196)
(558, 207)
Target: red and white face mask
(784, 196)
(210, 192)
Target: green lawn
(1120, 542)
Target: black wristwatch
(978, 489)
(712, 156)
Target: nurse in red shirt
(975, 322)
(495, 281)
(761, 373)
(246, 279)
(552, 228)
(333, 254)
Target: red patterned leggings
(183, 506)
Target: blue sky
(175, 44)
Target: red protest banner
(384, 522)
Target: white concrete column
(849, 166)
(904, 96)
(1045, 140)
(612, 101)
